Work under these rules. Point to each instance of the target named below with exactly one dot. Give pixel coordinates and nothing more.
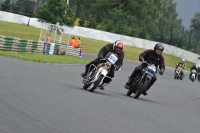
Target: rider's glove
(100, 57)
(141, 59)
(161, 71)
(117, 67)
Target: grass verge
(90, 45)
(41, 58)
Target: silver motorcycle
(94, 78)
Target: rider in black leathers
(193, 68)
(116, 47)
(151, 56)
(198, 71)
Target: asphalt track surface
(44, 98)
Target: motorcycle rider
(116, 47)
(182, 65)
(193, 68)
(151, 56)
(198, 71)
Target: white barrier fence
(105, 36)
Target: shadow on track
(140, 99)
(147, 100)
(74, 87)
(105, 94)
(95, 91)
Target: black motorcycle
(141, 82)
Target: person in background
(78, 43)
(46, 43)
(72, 42)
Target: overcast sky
(186, 10)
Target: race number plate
(151, 70)
(112, 58)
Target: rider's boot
(85, 73)
(102, 87)
(105, 82)
(128, 84)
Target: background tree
(5, 5)
(195, 22)
(56, 11)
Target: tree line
(155, 20)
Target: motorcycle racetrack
(44, 98)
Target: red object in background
(59, 52)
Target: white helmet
(199, 66)
(183, 59)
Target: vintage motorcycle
(177, 74)
(141, 82)
(193, 74)
(94, 78)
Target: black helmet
(159, 46)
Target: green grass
(90, 45)
(41, 58)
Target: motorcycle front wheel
(85, 86)
(96, 83)
(141, 89)
(133, 86)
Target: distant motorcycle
(199, 77)
(193, 74)
(94, 78)
(141, 82)
(177, 74)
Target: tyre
(96, 83)
(141, 89)
(85, 86)
(133, 86)
(175, 76)
(129, 92)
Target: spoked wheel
(96, 83)
(91, 75)
(133, 87)
(141, 88)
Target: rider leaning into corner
(116, 47)
(182, 65)
(193, 68)
(152, 57)
(198, 71)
